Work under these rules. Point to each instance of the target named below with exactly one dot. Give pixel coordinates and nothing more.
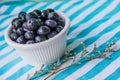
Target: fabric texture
(92, 21)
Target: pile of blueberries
(36, 26)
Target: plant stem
(56, 72)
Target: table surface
(92, 21)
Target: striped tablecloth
(92, 21)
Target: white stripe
(95, 31)
(19, 8)
(99, 16)
(9, 58)
(62, 8)
(2, 42)
(6, 50)
(108, 70)
(99, 42)
(13, 70)
(3, 9)
(87, 12)
(2, 33)
(118, 79)
(76, 8)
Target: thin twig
(56, 72)
(42, 67)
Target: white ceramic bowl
(43, 52)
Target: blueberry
(24, 25)
(60, 21)
(22, 15)
(30, 42)
(50, 10)
(44, 14)
(38, 12)
(31, 15)
(52, 15)
(14, 36)
(21, 40)
(14, 30)
(13, 21)
(17, 22)
(40, 22)
(43, 30)
(52, 34)
(20, 31)
(29, 35)
(59, 28)
(51, 23)
(40, 38)
(32, 24)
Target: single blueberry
(21, 40)
(40, 22)
(29, 35)
(52, 15)
(38, 12)
(51, 23)
(30, 42)
(40, 38)
(17, 22)
(32, 24)
(50, 10)
(52, 34)
(14, 36)
(44, 14)
(31, 15)
(59, 28)
(20, 31)
(43, 30)
(14, 30)
(60, 21)
(22, 15)
(24, 25)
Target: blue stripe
(20, 72)
(115, 75)
(100, 67)
(9, 65)
(72, 69)
(3, 46)
(95, 24)
(2, 38)
(7, 54)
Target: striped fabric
(92, 21)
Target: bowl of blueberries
(39, 36)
